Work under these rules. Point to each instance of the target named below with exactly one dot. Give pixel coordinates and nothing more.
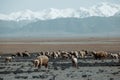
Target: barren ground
(58, 69)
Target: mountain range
(102, 10)
(99, 20)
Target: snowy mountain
(102, 10)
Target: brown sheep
(64, 55)
(74, 53)
(19, 54)
(55, 55)
(100, 54)
(47, 53)
(8, 59)
(41, 61)
(82, 54)
(42, 53)
(26, 54)
(36, 62)
(119, 56)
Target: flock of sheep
(42, 58)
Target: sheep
(54, 55)
(82, 53)
(114, 55)
(74, 61)
(36, 62)
(19, 54)
(41, 53)
(58, 53)
(119, 56)
(8, 59)
(13, 55)
(41, 61)
(100, 54)
(64, 55)
(75, 53)
(26, 54)
(47, 53)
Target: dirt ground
(67, 44)
(58, 69)
(88, 69)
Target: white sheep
(82, 54)
(114, 56)
(74, 61)
(41, 61)
(8, 59)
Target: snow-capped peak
(103, 10)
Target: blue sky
(8, 6)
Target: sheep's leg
(76, 65)
(39, 66)
(119, 60)
(10, 60)
(73, 64)
(46, 65)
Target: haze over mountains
(99, 20)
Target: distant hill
(90, 26)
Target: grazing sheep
(74, 53)
(54, 55)
(47, 53)
(74, 61)
(58, 53)
(8, 59)
(82, 54)
(19, 54)
(64, 54)
(114, 55)
(26, 54)
(41, 61)
(100, 54)
(36, 62)
(119, 56)
(42, 53)
(13, 55)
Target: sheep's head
(36, 62)
(93, 52)
(119, 54)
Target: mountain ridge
(90, 26)
(101, 10)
